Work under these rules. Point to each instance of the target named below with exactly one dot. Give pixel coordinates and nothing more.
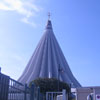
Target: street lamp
(59, 71)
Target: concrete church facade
(46, 61)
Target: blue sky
(76, 24)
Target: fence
(4, 87)
(11, 89)
(18, 91)
(56, 95)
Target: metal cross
(49, 15)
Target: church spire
(45, 61)
(49, 24)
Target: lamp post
(59, 70)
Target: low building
(83, 92)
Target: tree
(50, 85)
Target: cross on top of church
(49, 15)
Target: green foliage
(50, 85)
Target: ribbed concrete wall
(46, 60)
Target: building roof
(48, 61)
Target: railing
(11, 89)
(56, 95)
(18, 91)
(4, 87)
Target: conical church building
(47, 61)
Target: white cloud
(27, 9)
(4, 7)
(26, 20)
